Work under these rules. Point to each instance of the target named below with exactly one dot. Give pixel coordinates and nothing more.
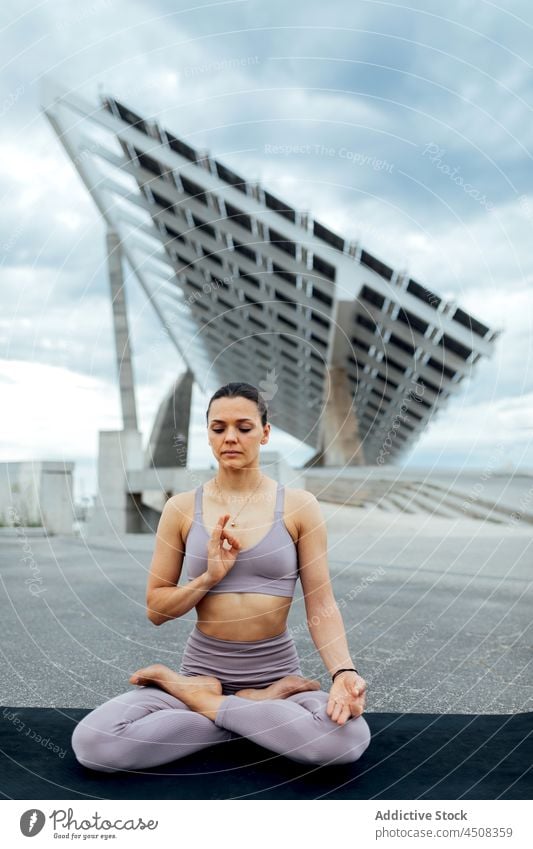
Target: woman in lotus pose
(243, 540)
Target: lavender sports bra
(269, 567)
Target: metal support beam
(120, 326)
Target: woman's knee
(356, 740)
(338, 744)
(92, 750)
(97, 742)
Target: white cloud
(53, 413)
(472, 434)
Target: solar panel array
(249, 288)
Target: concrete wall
(116, 510)
(38, 493)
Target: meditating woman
(243, 540)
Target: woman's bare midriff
(242, 616)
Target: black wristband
(338, 672)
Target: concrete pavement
(437, 613)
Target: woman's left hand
(346, 697)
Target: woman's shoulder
(181, 504)
(300, 496)
(182, 498)
(179, 510)
(300, 504)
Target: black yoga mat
(411, 756)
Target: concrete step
(432, 503)
(478, 508)
(410, 496)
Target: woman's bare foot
(286, 686)
(187, 688)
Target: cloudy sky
(440, 93)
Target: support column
(117, 511)
(120, 326)
(340, 441)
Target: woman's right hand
(219, 559)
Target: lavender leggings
(146, 727)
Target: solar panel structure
(250, 288)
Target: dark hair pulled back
(241, 390)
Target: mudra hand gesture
(220, 559)
(346, 697)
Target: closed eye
(243, 429)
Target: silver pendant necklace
(234, 520)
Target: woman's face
(235, 425)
